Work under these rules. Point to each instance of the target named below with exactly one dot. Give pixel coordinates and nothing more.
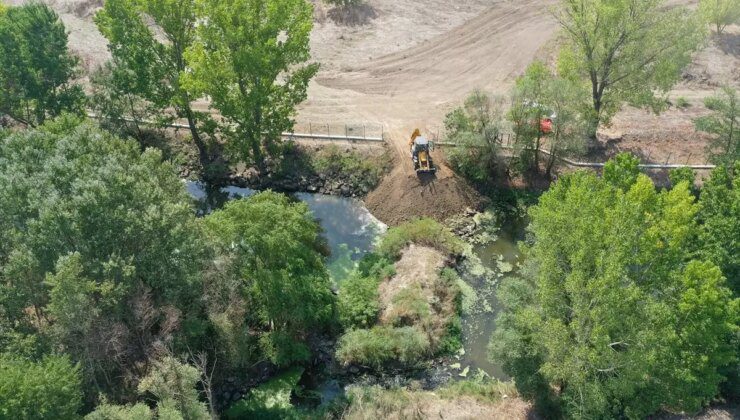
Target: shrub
(682, 102)
(380, 345)
(359, 302)
(622, 171)
(679, 175)
(476, 129)
(425, 232)
(283, 349)
(49, 388)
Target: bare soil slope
(415, 87)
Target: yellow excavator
(421, 149)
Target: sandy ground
(448, 51)
(412, 61)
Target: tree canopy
(148, 60)
(36, 68)
(613, 317)
(625, 51)
(720, 13)
(279, 256)
(249, 58)
(100, 240)
(724, 125)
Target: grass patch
(410, 307)
(270, 400)
(480, 387)
(380, 345)
(426, 232)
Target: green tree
(622, 171)
(101, 241)
(150, 65)
(47, 389)
(612, 318)
(476, 129)
(724, 124)
(625, 51)
(527, 111)
(250, 60)
(540, 95)
(173, 384)
(720, 13)
(280, 255)
(719, 220)
(35, 66)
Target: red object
(546, 125)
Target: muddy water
(500, 259)
(349, 228)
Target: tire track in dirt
(416, 87)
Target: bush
(622, 171)
(679, 175)
(425, 232)
(682, 102)
(270, 400)
(49, 388)
(476, 129)
(379, 345)
(359, 303)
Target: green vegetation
(682, 102)
(420, 319)
(270, 400)
(173, 384)
(103, 262)
(629, 51)
(538, 96)
(719, 220)
(426, 232)
(361, 171)
(622, 171)
(383, 344)
(476, 129)
(480, 387)
(249, 58)
(48, 388)
(720, 13)
(147, 66)
(35, 66)
(724, 124)
(615, 316)
(94, 234)
(279, 254)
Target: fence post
(310, 129)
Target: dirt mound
(403, 196)
(419, 265)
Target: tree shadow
(729, 43)
(354, 15)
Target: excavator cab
(421, 155)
